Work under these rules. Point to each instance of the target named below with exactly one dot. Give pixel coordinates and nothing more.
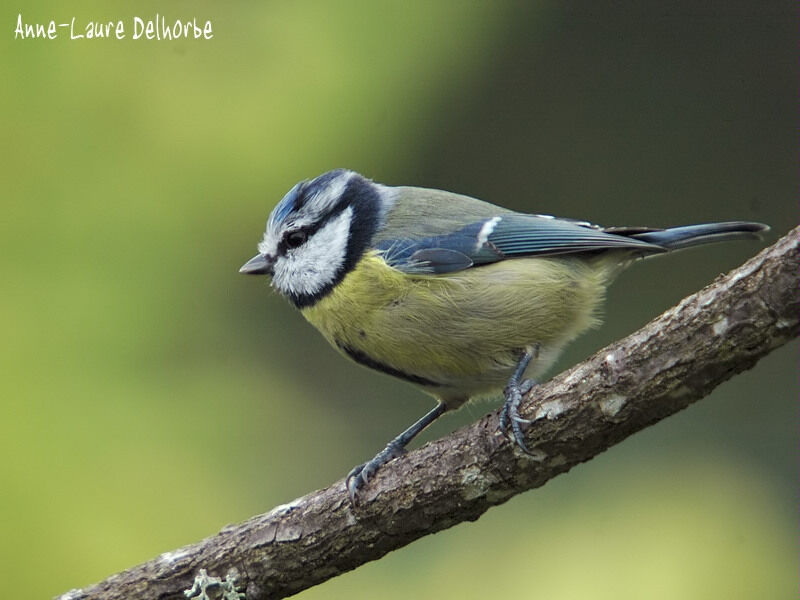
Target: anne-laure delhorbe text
(155, 27)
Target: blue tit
(460, 297)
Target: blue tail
(677, 238)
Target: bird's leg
(361, 474)
(514, 392)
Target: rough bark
(672, 362)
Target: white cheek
(309, 268)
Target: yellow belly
(460, 335)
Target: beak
(260, 264)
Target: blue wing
(501, 237)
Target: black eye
(296, 238)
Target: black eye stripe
(292, 239)
(295, 238)
(310, 230)
(306, 232)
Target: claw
(514, 392)
(353, 481)
(526, 386)
(519, 436)
(510, 416)
(359, 476)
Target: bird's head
(317, 233)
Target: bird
(460, 297)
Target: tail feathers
(677, 238)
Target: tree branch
(672, 362)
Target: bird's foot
(360, 475)
(509, 416)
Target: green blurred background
(150, 394)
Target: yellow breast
(459, 334)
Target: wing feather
(504, 236)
